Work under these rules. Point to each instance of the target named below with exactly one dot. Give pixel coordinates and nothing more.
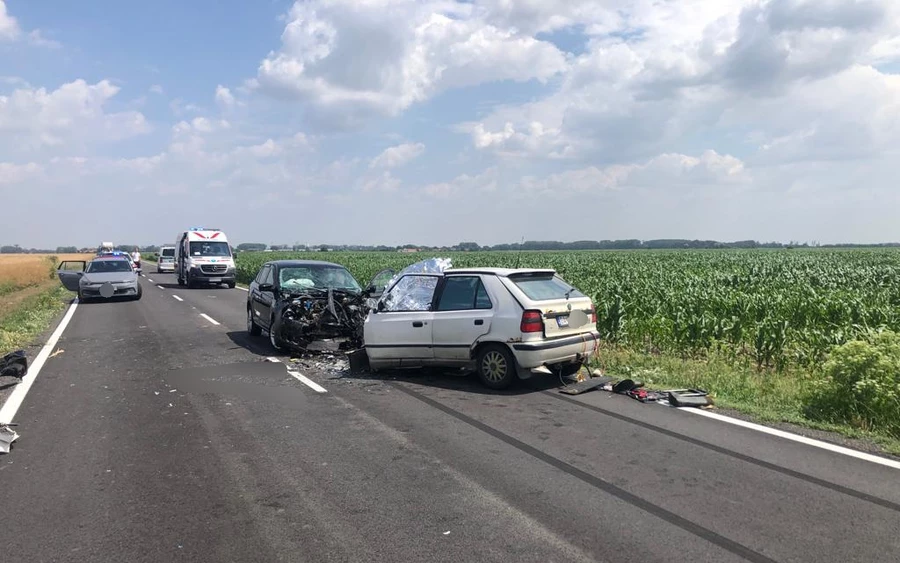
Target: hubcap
(493, 366)
(249, 320)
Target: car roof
(298, 263)
(503, 272)
(112, 257)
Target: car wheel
(496, 366)
(253, 328)
(140, 293)
(274, 330)
(231, 285)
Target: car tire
(231, 285)
(140, 293)
(252, 328)
(496, 366)
(274, 330)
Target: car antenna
(519, 255)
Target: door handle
(479, 321)
(418, 324)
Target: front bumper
(208, 275)
(119, 290)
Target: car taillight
(532, 321)
(593, 314)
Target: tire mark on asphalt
(742, 457)
(634, 500)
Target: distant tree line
(623, 244)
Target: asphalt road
(160, 434)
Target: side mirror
(380, 306)
(266, 287)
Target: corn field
(771, 307)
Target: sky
(439, 121)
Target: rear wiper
(569, 292)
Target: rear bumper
(165, 266)
(567, 349)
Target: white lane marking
(241, 288)
(12, 404)
(150, 280)
(795, 438)
(307, 381)
(159, 286)
(178, 298)
(299, 376)
(210, 319)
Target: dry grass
(24, 270)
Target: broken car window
(411, 293)
(321, 277)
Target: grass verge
(766, 397)
(29, 318)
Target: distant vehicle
(166, 260)
(105, 248)
(504, 323)
(106, 276)
(203, 256)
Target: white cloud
(72, 117)
(351, 59)
(485, 182)
(11, 173)
(36, 38)
(224, 97)
(397, 156)
(156, 89)
(9, 26)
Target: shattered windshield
(104, 266)
(319, 277)
(210, 249)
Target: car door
(398, 331)
(69, 273)
(263, 295)
(462, 314)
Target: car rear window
(544, 287)
(168, 252)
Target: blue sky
(437, 121)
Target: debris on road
(635, 390)
(57, 353)
(14, 364)
(7, 437)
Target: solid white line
(210, 319)
(307, 381)
(241, 288)
(12, 404)
(178, 298)
(795, 437)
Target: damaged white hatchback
(503, 323)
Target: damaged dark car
(310, 305)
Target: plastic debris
(7, 437)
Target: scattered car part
(14, 364)
(7, 436)
(586, 385)
(688, 397)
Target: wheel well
(473, 353)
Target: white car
(503, 323)
(166, 260)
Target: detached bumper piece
(14, 364)
(7, 437)
(635, 390)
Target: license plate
(562, 321)
(215, 280)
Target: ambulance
(203, 257)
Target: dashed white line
(307, 381)
(12, 404)
(150, 280)
(300, 377)
(795, 437)
(210, 319)
(178, 298)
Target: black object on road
(14, 364)
(586, 385)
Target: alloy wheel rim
(493, 366)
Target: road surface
(158, 432)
